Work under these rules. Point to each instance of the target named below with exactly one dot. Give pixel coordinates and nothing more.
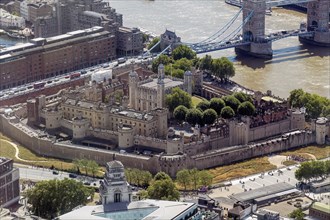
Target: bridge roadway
(270, 3)
(238, 41)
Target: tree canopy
(206, 63)
(183, 51)
(297, 214)
(217, 105)
(209, 116)
(138, 177)
(232, 102)
(242, 97)
(246, 108)
(178, 97)
(315, 105)
(313, 169)
(223, 68)
(194, 116)
(183, 178)
(203, 105)
(87, 166)
(56, 197)
(193, 178)
(163, 188)
(180, 113)
(162, 59)
(227, 112)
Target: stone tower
(254, 30)
(320, 129)
(114, 187)
(133, 78)
(318, 21)
(187, 79)
(161, 87)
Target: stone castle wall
(169, 164)
(154, 143)
(269, 130)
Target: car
(87, 183)
(288, 168)
(72, 175)
(270, 174)
(55, 172)
(105, 65)
(49, 81)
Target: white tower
(161, 87)
(114, 188)
(133, 77)
(321, 128)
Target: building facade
(8, 20)
(9, 183)
(47, 57)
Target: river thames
(293, 66)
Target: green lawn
(195, 100)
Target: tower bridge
(250, 38)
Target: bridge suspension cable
(168, 47)
(148, 51)
(222, 30)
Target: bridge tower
(254, 30)
(318, 21)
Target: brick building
(48, 57)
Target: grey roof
(115, 164)
(263, 191)
(169, 83)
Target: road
(39, 174)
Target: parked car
(55, 172)
(72, 175)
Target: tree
(180, 113)
(297, 214)
(246, 108)
(242, 97)
(209, 116)
(203, 105)
(295, 98)
(162, 59)
(232, 102)
(183, 64)
(55, 197)
(183, 51)
(217, 104)
(146, 178)
(194, 116)
(194, 173)
(93, 167)
(223, 68)
(183, 178)
(205, 178)
(206, 63)
(162, 187)
(178, 97)
(305, 171)
(227, 112)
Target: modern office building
(48, 57)
(9, 183)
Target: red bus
(39, 85)
(74, 75)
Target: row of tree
(220, 67)
(88, 166)
(138, 177)
(312, 169)
(183, 59)
(315, 105)
(193, 179)
(206, 112)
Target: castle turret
(79, 127)
(187, 78)
(321, 130)
(174, 142)
(161, 87)
(125, 136)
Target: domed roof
(115, 164)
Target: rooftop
(169, 83)
(144, 209)
(321, 207)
